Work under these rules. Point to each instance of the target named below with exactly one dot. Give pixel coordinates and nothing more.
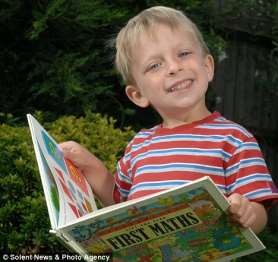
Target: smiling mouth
(183, 85)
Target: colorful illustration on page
(74, 187)
(51, 184)
(53, 151)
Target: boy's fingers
(245, 207)
(235, 202)
(250, 220)
(245, 217)
(68, 147)
(65, 149)
(241, 210)
(69, 150)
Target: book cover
(185, 223)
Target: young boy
(165, 63)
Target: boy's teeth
(182, 85)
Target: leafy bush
(24, 222)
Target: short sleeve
(123, 180)
(247, 173)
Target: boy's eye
(154, 67)
(183, 53)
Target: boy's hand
(92, 168)
(81, 157)
(242, 210)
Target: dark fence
(243, 95)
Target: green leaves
(56, 55)
(43, 13)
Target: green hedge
(24, 223)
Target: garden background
(56, 62)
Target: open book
(186, 223)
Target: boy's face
(171, 73)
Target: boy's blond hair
(143, 23)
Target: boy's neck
(186, 118)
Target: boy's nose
(174, 67)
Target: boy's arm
(102, 182)
(247, 213)
(93, 169)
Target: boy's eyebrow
(180, 46)
(151, 57)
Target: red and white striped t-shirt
(161, 158)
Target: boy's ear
(135, 95)
(209, 64)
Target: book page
(68, 194)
